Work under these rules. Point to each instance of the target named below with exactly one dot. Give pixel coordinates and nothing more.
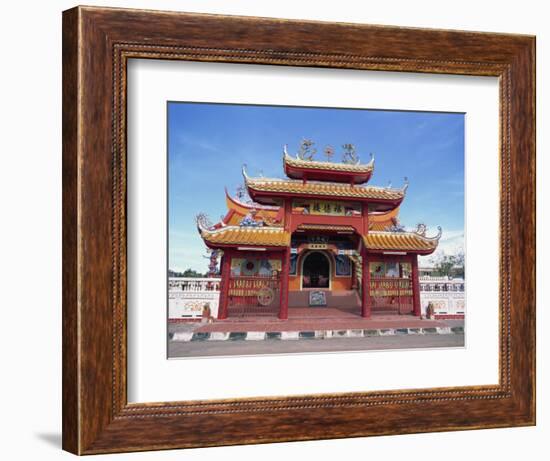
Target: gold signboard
(326, 207)
(317, 246)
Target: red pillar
(353, 275)
(365, 286)
(288, 215)
(285, 268)
(285, 264)
(224, 285)
(416, 286)
(365, 222)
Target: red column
(365, 285)
(353, 275)
(283, 303)
(285, 264)
(365, 213)
(224, 285)
(416, 286)
(288, 214)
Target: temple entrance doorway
(316, 270)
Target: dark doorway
(316, 271)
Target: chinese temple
(319, 237)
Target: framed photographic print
(282, 230)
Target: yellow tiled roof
(256, 236)
(318, 188)
(380, 221)
(239, 210)
(331, 166)
(400, 241)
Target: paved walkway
(276, 346)
(316, 319)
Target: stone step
(385, 311)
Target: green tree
(450, 265)
(192, 273)
(187, 273)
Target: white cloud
(451, 243)
(198, 143)
(188, 257)
(187, 251)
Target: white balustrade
(446, 295)
(187, 297)
(194, 284)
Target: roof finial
(438, 236)
(203, 222)
(329, 152)
(285, 151)
(406, 184)
(389, 185)
(245, 175)
(371, 163)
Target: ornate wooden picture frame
(97, 44)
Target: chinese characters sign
(326, 207)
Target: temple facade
(319, 237)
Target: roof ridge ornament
(245, 175)
(371, 162)
(239, 192)
(285, 151)
(350, 156)
(395, 226)
(439, 234)
(203, 222)
(405, 184)
(421, 229)
(307, 151)
(329, 152)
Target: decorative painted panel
(343, 266)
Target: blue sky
(208, 144)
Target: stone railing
(187, 297)
(446, 295)
(193, 284)
(441, 284)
